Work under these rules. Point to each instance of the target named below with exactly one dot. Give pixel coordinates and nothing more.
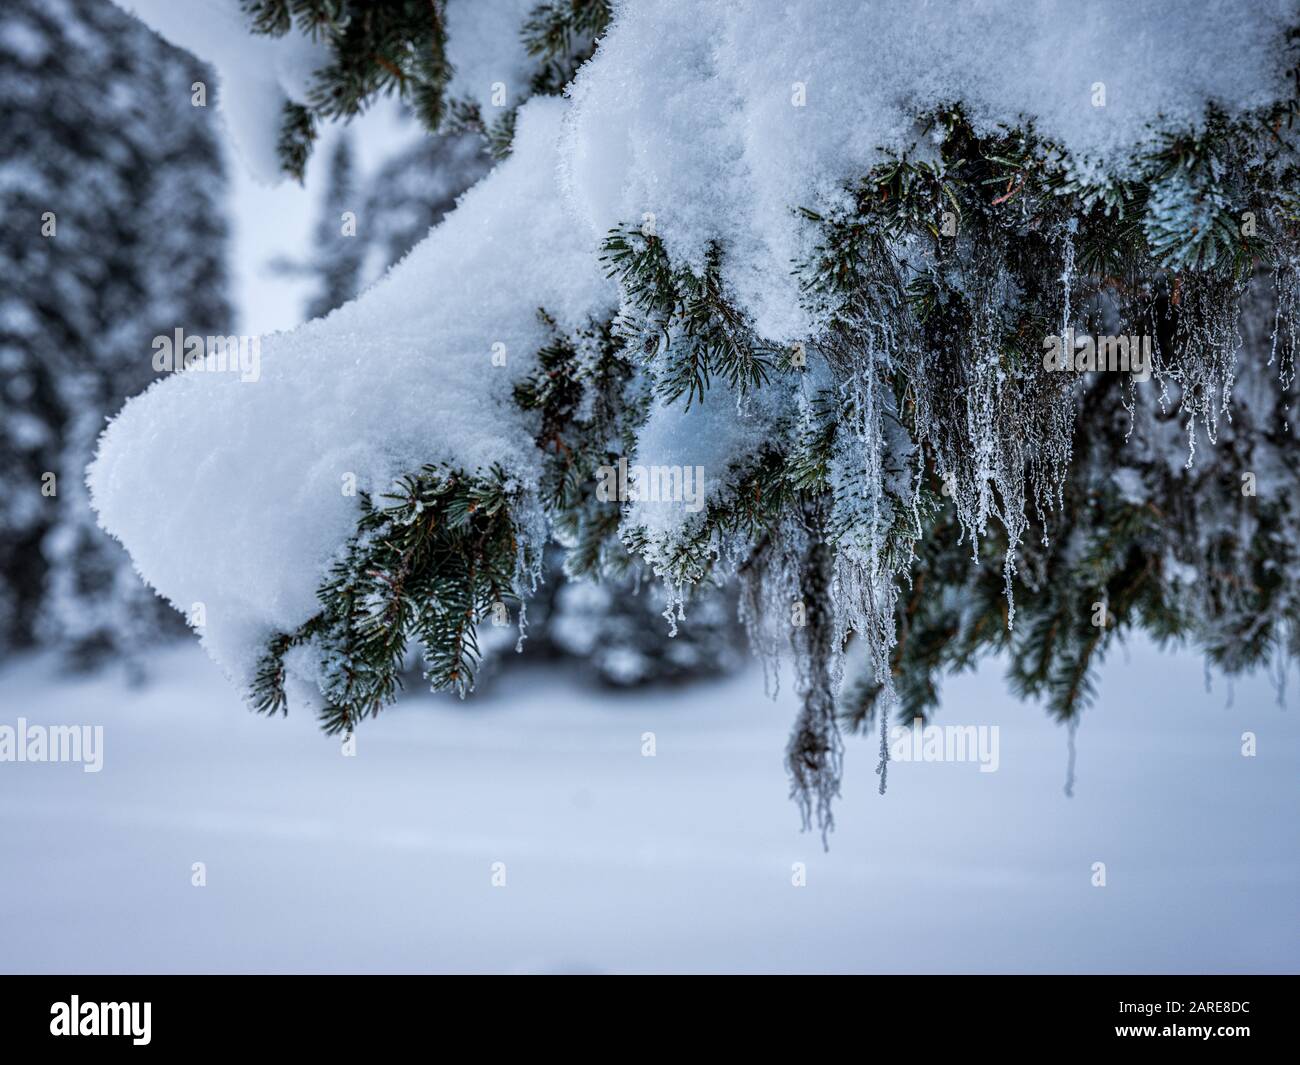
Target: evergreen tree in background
(366, 225)
(113, 185)
(337, 251)
(339, 256)
(413, 191)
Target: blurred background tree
(113, 191)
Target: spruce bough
(930, 492)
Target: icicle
(522, 626)
(673, 606)
(885, 705)
(1278, 662)
(1286, 287)
(1067, 275)
(1072, 727)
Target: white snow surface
(616, 862)
(230, 492)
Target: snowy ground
(624, 863)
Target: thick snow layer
(615, 862)
(257, 74)
(719, 117)
(229, 492)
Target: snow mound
(230, 492)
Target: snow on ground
(617, 862)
